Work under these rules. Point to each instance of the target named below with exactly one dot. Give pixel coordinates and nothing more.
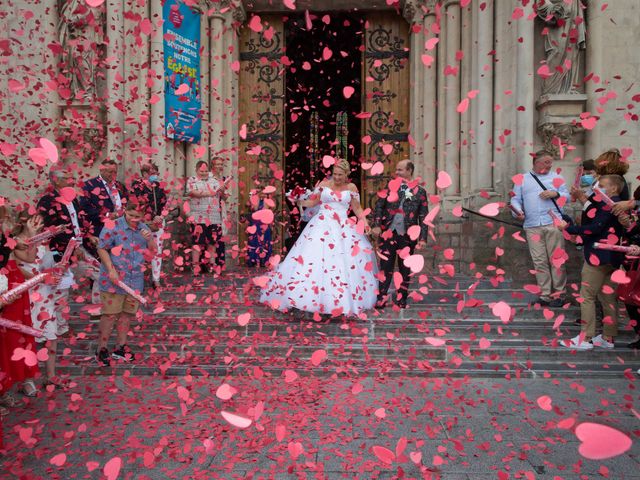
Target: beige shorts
(115, 303)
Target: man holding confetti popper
(124, 247)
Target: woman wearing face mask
(149, 190)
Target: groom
(393, 216)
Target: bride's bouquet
(298, 193)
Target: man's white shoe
(599, 341)
(576, 344)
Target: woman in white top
(206, 193)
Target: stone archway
(384, 114)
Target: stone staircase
(192, 327)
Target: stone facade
(487, 57)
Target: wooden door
(261, 114)
(385, 80)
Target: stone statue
(81, 34)
(564, 40)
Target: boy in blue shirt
(124, 247)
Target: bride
(331, 268)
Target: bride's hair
(343, 164)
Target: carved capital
(412, 11)
(557, 135)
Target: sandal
(57, 382)
(8, 400)
(29, 388)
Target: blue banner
(182, 92)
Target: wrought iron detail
(384, 53)
(255, 50)
(382, 122)
(269, 97)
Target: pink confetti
(431, 43)
(225, 392)
(243, 319)
(502, 310)
(444, 180)
(58, 460)
(463, 105)
(94, 3)
(544, 402)
(318, 357)
(490, 209)
(589, 123)
(50, 149)
(600, 442)
(414, 262)
(348, 91)
(236, 420)
(290, 4)
(384, 454)
(255, 24)
(265, 216)
(377, 168)
(290, 376)
(328, 161)
(182, 89)
(112, 468)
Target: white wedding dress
(331, 268)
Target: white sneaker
(599, 341)
(576, 344)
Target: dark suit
(96, 203)
(412, 203)
(56, 213)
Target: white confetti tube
(605, 197)
(46, 235)
(132, 292)
(71, 246)
(10, 295)
(613, 248)
(27, 330)
(577, 179)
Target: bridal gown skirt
(331, 269)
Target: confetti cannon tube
(71, 246)
(605, 198)
(514, 210)
(46, 235)
(132, 292)
(10, 295)
(613, 248)
(10, 324)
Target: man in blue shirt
(124, 247)
(546, 243)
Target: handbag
(564, 216)
(629, 293)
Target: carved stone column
(156, 79)
(467, 127)
(115, 80)
(197, 152)
(483, 118)
(597, 19)
(525, 99)
(430, 106)
(414, 16)
(451, 96)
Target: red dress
(18, 311)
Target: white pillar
(467, 134)
(417, 87)
(192, 149)
(483, 121)
(115, 79)
(430, 105)
(156, 59)
(451, 97)
(525, 99)
(596, 18)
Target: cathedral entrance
(316, 85)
